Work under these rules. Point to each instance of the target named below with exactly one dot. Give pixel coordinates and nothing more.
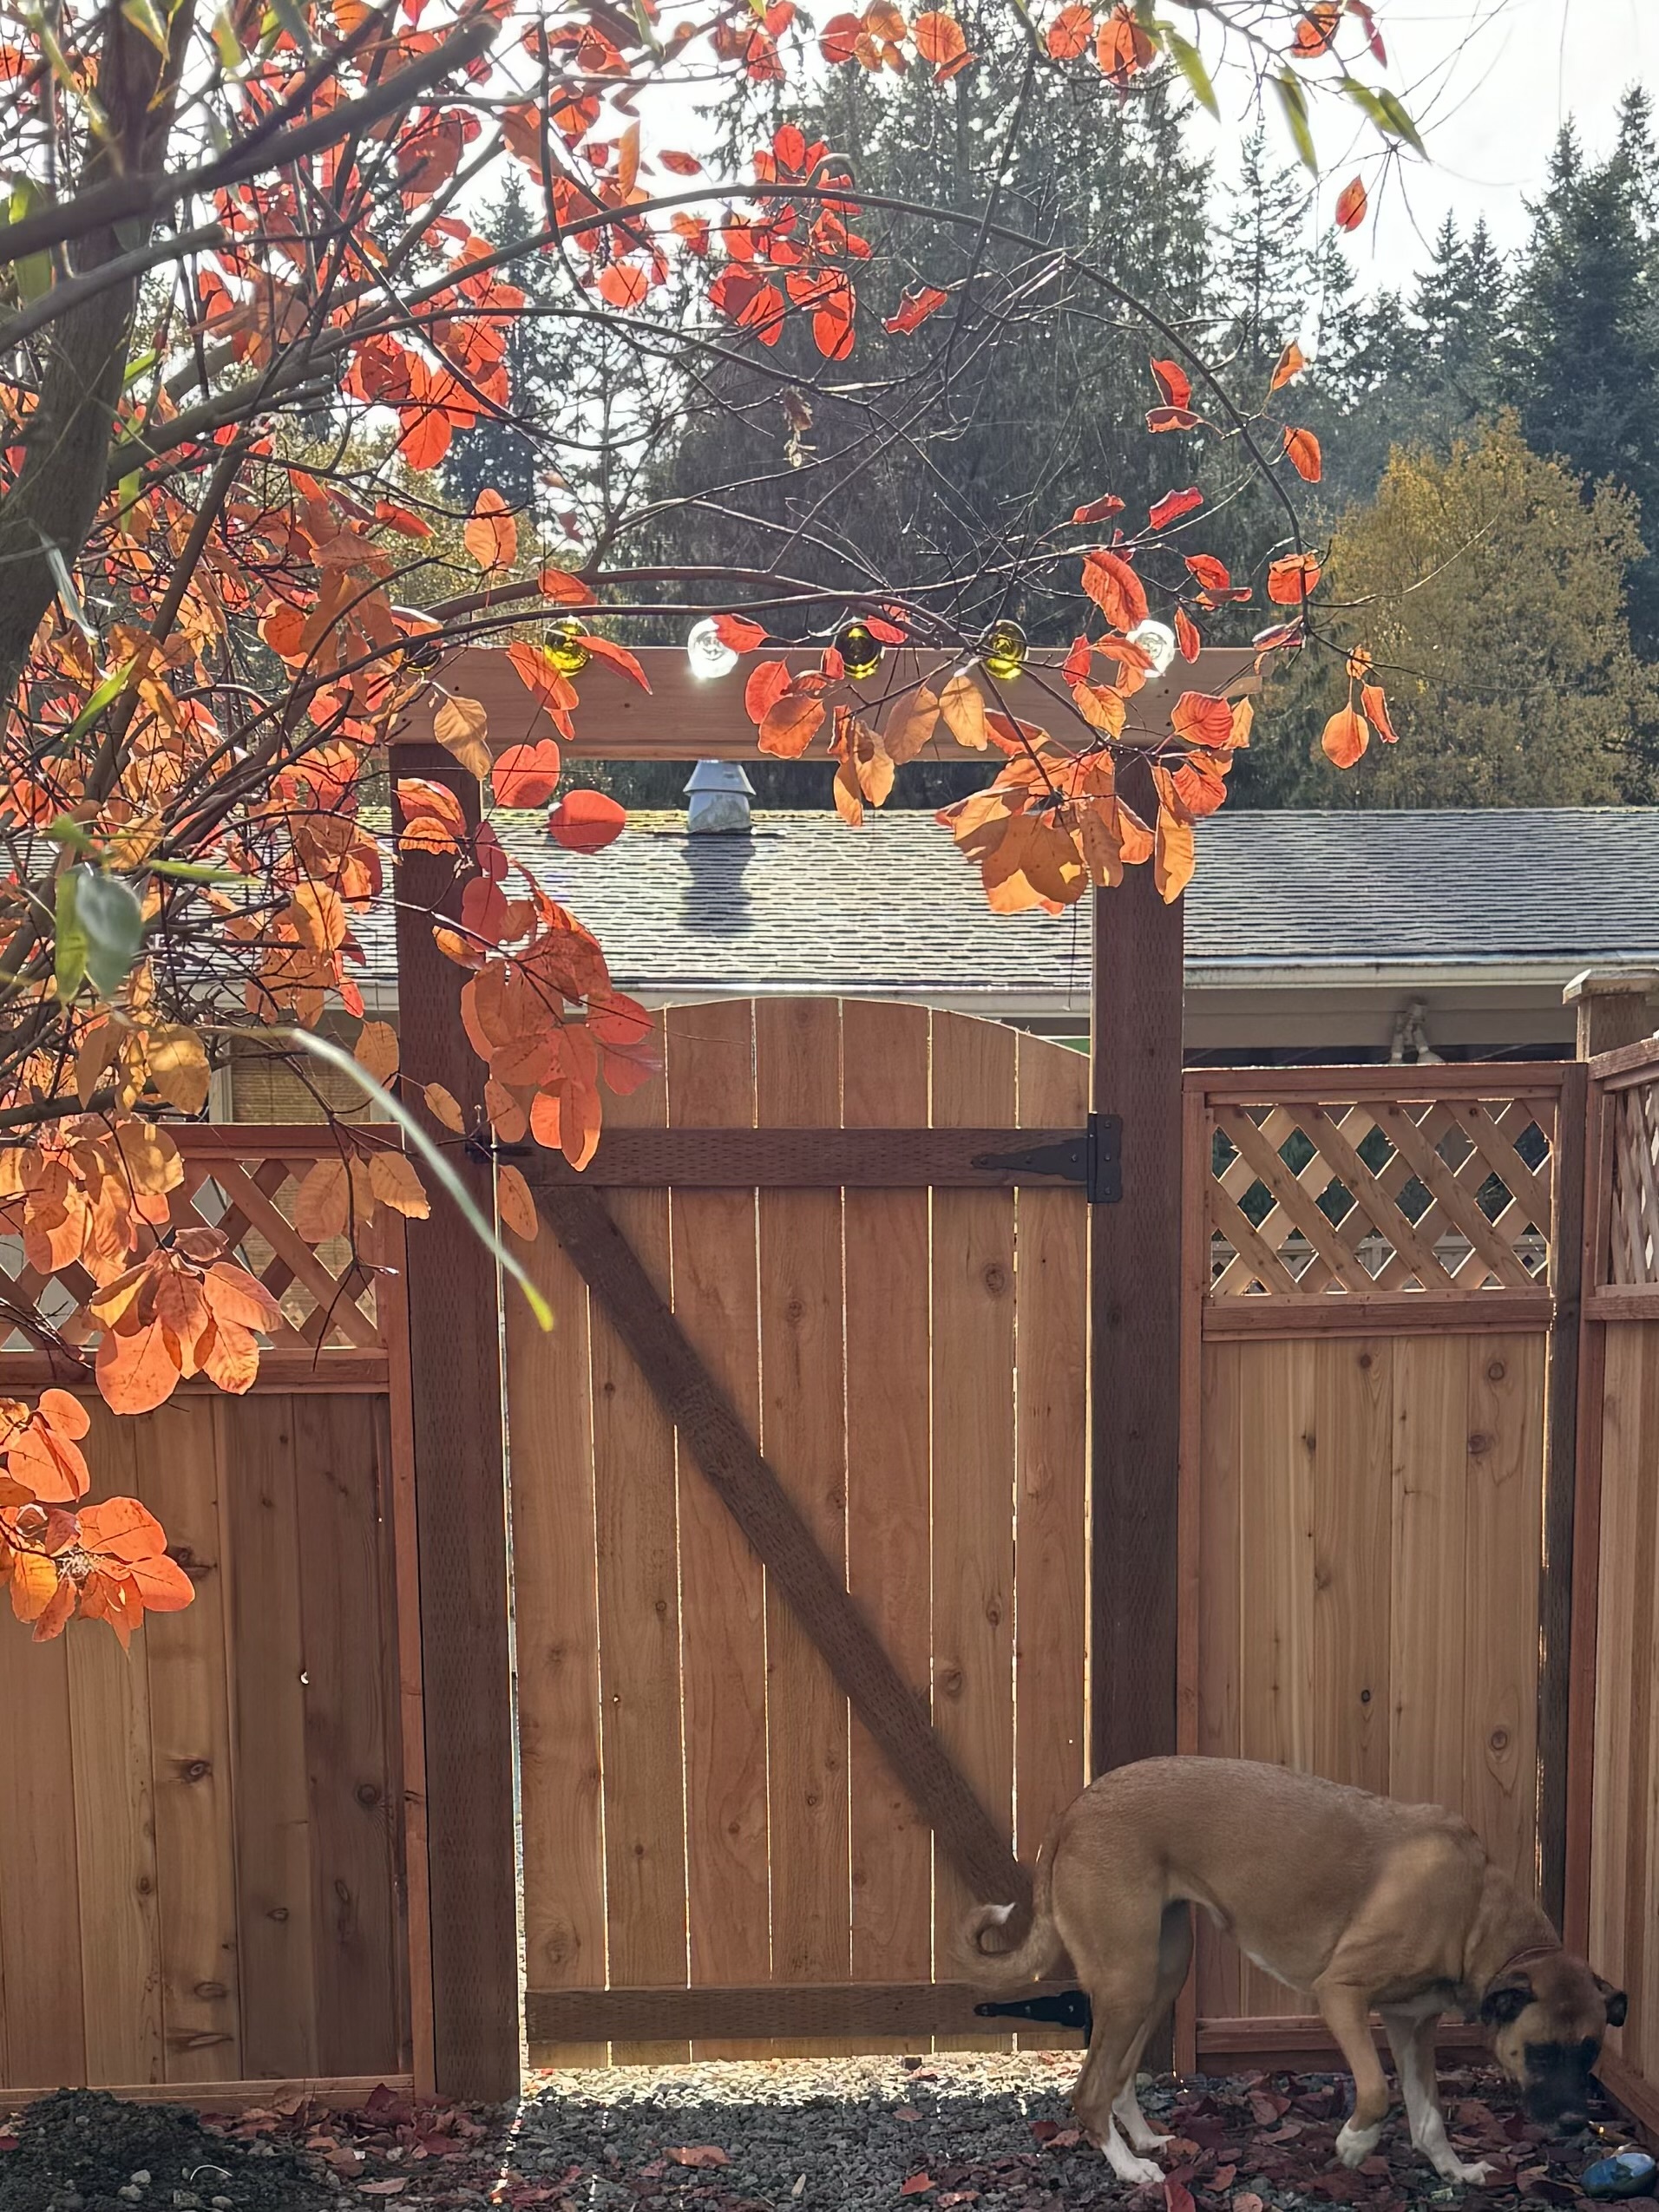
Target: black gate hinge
(1094, 1158)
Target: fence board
(1350, 1468)
(348, 1724)
(639, 1631)
(885, 1049)
(556, 1616)
(797, 1081)
(1428, 1557)
(189, 1706)
(260, 1514)
(44, 2021)
(1504, 1527)
(1218, 1660)
(723, 1588)
(1050, 1473)
(115, 1824)
(972, 1272)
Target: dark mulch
(987, 2131)
(78, 2150)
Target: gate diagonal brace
(750, 1489)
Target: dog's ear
(1506, 2000)
(1618, 2004)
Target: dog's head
(1548, 2018)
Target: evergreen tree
(1587, 360)
(493, 453)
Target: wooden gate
(1377, 1263)
(858, 1225)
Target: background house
(1310, 936)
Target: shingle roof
(805, 904)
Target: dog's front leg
(1346, 2012)
(1412, 2041)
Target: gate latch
(1093, 1158)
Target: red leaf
(918, 2185)
(1071, 33)
(1213, 574)
(1301, 451)
(738, 633)
(767, 684)
(1293, 579)
(832, 331)
(1202, 719)
(885, 632)
(1351, 204)
(702, 2154)
(527, 776)
(939, 40)
(916, 307)
(619, 657)
(1291, 363)
(586, 822)
(563, 589)
(623, 284)
(681, 165)
(1115, 588)
(1173, 505)
(1099, 510)
(1173, 382)
(1172, 418)
(1187, 635)
(1376, 707)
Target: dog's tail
(1005, 1967)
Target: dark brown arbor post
(1135, 1318)
(461, 1512)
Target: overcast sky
(1490, 82)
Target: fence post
(460, 1514)
(1560, 1486)
(1616, 1006)
(1134, 1317)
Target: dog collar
(1524, 1957)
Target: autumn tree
(1489, 587)
(248, 313)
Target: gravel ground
(989, 2131)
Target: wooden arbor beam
(684, 719)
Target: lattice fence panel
(1634, 1256)
(327, 1292)
(1311, 1199)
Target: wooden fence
(715, 1849)
(1373, 1261)
(1613, 1894)
(202, 1864)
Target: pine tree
(496, 453)
(1261, 265)
(1586, 369)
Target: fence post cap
(1612, 983)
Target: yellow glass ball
(861, 653)
(1002, 651)
(566, 651)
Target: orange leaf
(1100, 706)
(963, 707)
(586, 822)
(1173, 382)
(1301, 451)
(767, 684)
(1376, 707)
(136, 1370)
(1172, 418)
(790, 724)
(1115, 588)
(681, 165)
(939, 41)
(1200, 718)
(1098, 510)
(1071, 33)
(321, 1207)
(911, 725)
(1293, 579)
(1351, 204)
(527, 776)
(396, 1183)
(460, 726)
(491, 536)
(915, 308)
(1345, 738)
(622, 285)
(564, 588)
(517, 1206)
(1187, 635)
(1291, 363)
(443, 1107)
(1173, 857)
(737, 634)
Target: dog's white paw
(1148, 2139)
(1453, 2170)
(1355, 2145)
(1137, 2173)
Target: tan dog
(1364, 1903)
